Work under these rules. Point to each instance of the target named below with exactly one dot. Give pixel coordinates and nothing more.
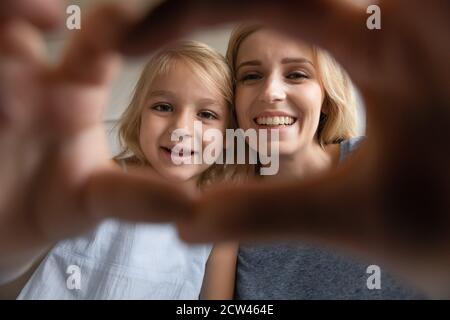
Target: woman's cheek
(311, 96)
(243, 103)
(243, 119)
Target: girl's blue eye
(163, 107)
(207, 115)
(297, 75)
(251, 77)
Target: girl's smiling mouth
(181, 154)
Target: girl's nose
(273, 91)
(183, 122)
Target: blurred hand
(391, 200)
(56, 176)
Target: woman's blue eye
(207, 115)
(296, 75)
(163, 107)
(250, 77)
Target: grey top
(297, 271)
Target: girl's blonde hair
(208, 64)
(340, 122)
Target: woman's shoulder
(350, 145)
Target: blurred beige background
(124, 84)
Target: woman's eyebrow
(283, 61)
(296, 60)
(248, 63)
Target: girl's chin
(179, 174)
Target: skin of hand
(56, 176)
(391, 199)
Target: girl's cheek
(145, 120)
(156, 124)
(217, 125)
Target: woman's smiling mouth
(275, 121)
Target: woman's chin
(282, 148)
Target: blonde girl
(182, 84)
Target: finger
(175, 18)
(21, 41)
(134, 197)
(332, 24)
(45, 14)
(336, 26)
(331, 210)
(90, 57)
(82, 81)
(164, 23)
(22, 58)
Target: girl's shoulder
(350, 145)
(125, 163)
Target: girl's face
(175, 101)
(277, 87)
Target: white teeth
(180, 152)
(275, 121)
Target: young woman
(299, 90)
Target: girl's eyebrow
(213, 104)
(208, 102)
(163, 93)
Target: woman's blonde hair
(340, 122)
(208, 64)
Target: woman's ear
(322, 120)
(325, 106)
(324, 114)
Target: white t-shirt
(121, 261)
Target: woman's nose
(273, 91)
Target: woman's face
(278, 88)
(175, 101)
